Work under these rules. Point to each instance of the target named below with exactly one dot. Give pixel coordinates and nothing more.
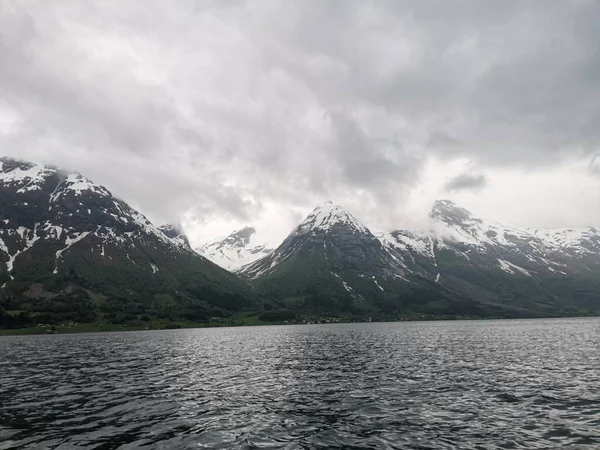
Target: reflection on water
(479, 385)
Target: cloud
(466, 182)
(221, 110)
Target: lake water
(427, 385)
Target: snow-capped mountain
(492, 261)
(238, 249)
(332, 259)
(456, 229)
(41, 203)
(56, 225)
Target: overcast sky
(224, 113)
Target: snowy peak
(326, 217)
(238, 249)
(239, 238)
(451, 214)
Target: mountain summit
(239, 248)
(327, 218)
(451, 214)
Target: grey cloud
(466, 181)
(370, 161)
(218, 107)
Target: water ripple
(443, 385)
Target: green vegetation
(17, 326)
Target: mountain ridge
(69, 248)
(330, 261)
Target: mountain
(540, 271)
(332, 262)
(236, 250)
(70, 249)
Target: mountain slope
(331, 262)
(541, 271)
(236, 250)
(62, 236)
(176, 234)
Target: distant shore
(107, 327)
(157, 325)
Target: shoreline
(165, 325)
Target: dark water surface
(429, 385)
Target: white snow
(403, 278)
(326, 216)
(569, 239)
(76, 184)
(377, 284)
(154, 268)
(27, 179)
(21, 231)
(3, 247)
(28, 244)
(509, 267)
(70, 242)
(346, 285)
(432, 252)
(233, 256)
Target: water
(468, 385)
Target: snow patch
(70, 242)
(509, 267)
(346, 285)
(27, 178)
(28, 244)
